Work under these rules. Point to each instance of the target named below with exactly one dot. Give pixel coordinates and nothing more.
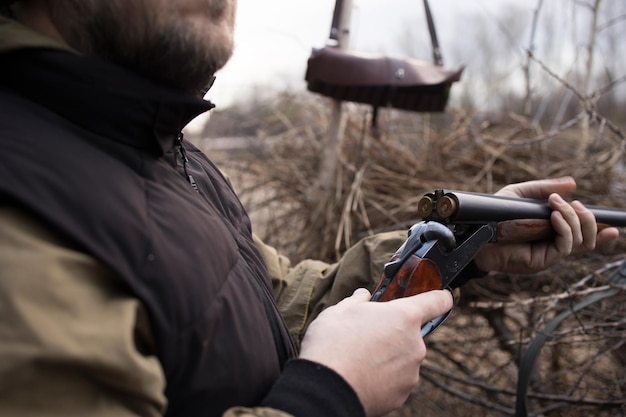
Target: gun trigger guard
(430, 327)
(433, 324)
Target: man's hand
(376, 347)
(575, 227)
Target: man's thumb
(434, 303)
(361, 294)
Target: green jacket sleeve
(73, 342)
(306, 288)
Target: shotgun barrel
(448, 206)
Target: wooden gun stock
(416, 276)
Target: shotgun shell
(446, 206)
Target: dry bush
(473, 363)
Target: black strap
(334, 28)
(529, 358)
(433, 35)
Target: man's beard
(167, 50)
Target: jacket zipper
(183, 154)
(284, 345)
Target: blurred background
(490, 38)
(542, 95)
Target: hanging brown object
(381, 81)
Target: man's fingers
(431, 304)
(425, 306)
(606, 235)
(358, 296)
(588, 225)
(566, 224)
(361, 294)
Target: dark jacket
(102, 201)
(96, 152)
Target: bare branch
(613, 21)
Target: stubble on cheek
(165, 46)
(190, 55)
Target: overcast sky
(489, 38)
(274, 37)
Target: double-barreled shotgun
(455, 227)
(515, 219)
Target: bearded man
(130, 280)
